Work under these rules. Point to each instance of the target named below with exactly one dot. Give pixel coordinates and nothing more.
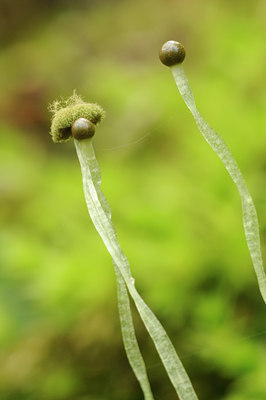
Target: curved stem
(250, 219)
(129, 337)
(101, 216)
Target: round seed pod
(172, 53)
(82, 128)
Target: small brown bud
(82, 128)
(172, 53)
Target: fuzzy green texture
(67, 111)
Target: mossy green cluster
(67, 111)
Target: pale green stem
(100, 209)
(250, 218)
(101, 216)
(129, 337)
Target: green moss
(67, 111)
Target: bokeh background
(177, 213)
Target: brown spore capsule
(172, 53)
(82, 128)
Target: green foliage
(177, 213)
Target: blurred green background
(177, 213)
